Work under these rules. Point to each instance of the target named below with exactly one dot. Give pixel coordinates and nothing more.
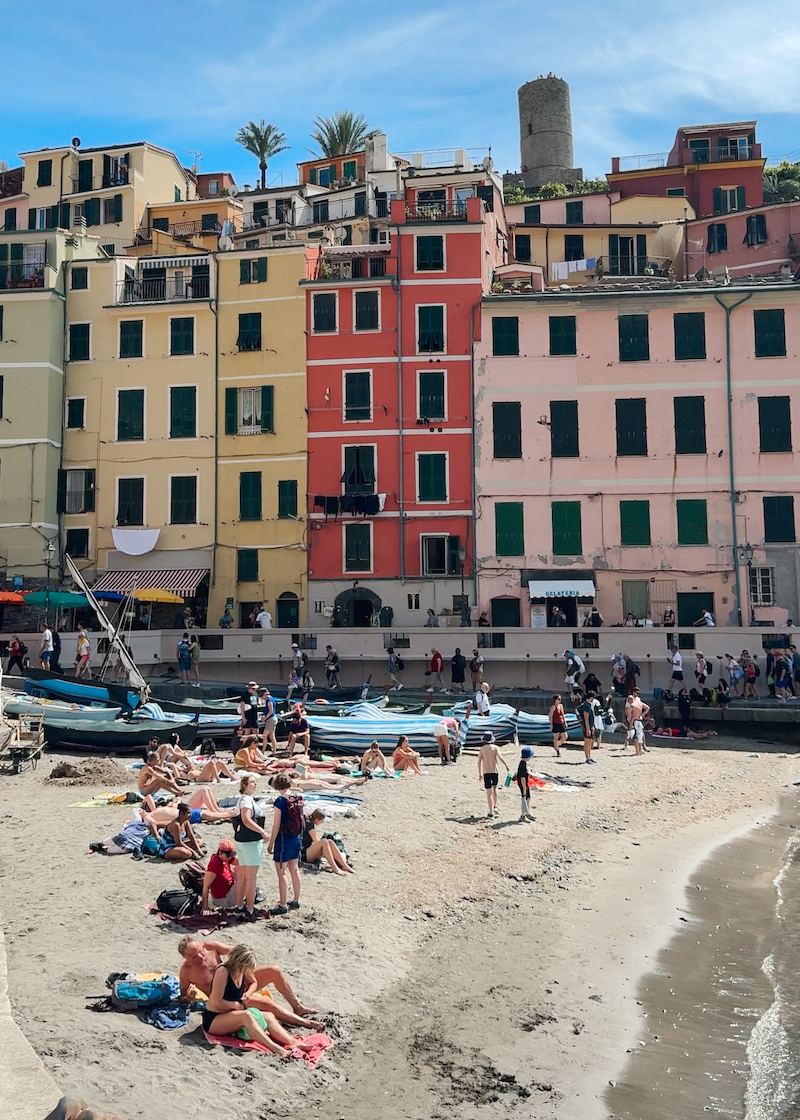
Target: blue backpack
(133, 995)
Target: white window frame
(253, 429)
(213, 186)
(82, 323)
(105, 201)
(119, 478)
(184, 385)
(180, 357)
(426, 501)
(424, 537)
(372, 330)
(730, 196)
(132, 319)
(66, 414)
(183, 474)
(78, 528)
(360, 443)
(328, 292)
(431, 271)
(758, 600)
(124, 389)
(441, 352)
(419, 416)
(353, 572)
(68, 472)
(371, 397)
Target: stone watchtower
(545, 134)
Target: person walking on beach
(476, 669)
(248, 707)
(184, 657)
(676, 660)
(288, 822)
(635, 712)
(482, 705)
(194, 657)
(488, 757)
(332, 668)
(437, 664)
(586, 712)
(395, 666)
(458, 665)
(268, 740)
(46, 648)
(736, 674)
(558, 724)
(16, 655)
(522, 778)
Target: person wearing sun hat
(219, 881)
(523, 785)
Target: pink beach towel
(320, 1042)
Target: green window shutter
(106, 171)
(432, 478)
(779, 526)
(770, 333)
(91, 211)
(357, 554)
(261, 270)
(431, 395)
(11, 219)
(641, 253)
(246, 565)
(573, 247)
(774, 423)
(117, 207)
(85, 174)
(267, 408)
(741, 204)
(634, 338)
(431, 329)
(88, 491)
(349, 169)
(634, 523)
(45, 175)
(17, 253)
(130, 414)
(312, 174)
(690, 335)
(249, 331)
(231, 412)
(324, 312)
(244, 272)
(52, 216)
(613, 254)
(287, 498)
(250, 496)
(564, 430)
(182, 412)
(359, 469)
(761, 229)
(79, 342)
(631, 426)
(357, 395)
(507, 429)
(509, 532)
(563, 334)
(522, 246)
(505, 335)
(366, 311)
(574, 214)
(130, 338)
(32, 218)
(161, 224)
(64, 221)
(176, 193)
(532, 215)
(183, 500)
(76, 408)
(566, 520)
(181, 336)
(61, 492)
(430, 254)
(692, 521)
(130, 501)
(717, 201)
(690, 425)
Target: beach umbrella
(11, 597)
(56, 599)
(112, 596)
(156, 595)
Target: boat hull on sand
(119, 736)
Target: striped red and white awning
(182, 581)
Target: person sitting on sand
(249, 757)
(226, 1011)
(299, 732)
(154, 777)
(374, 759)
(404, 758)
(201, 958)
(214, 770)
(313, 848)
(219, 881)
(178, 841)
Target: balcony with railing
(85, 183)
(367, 267)
(15, 277)
(686, 157)
(464, 158)
(631, 265)
(162, 289)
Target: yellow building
(261, 537)
(170, 227)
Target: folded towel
(320, 1043)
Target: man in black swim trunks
(488, 757)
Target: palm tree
(340, 134)
(263, 141)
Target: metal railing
(21, 276)
(182, 230)
(436, 211)
(84, 184)
(358, 268)
(445, 157)
(688, 156)
(627, 264)
(162, 289)
(643, 163)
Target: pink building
(760, 241)
(605, 471)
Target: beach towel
(321, 1042)
(204, 923)
(170, 1018)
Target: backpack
(303, 660)
(177, 904)
(634, 669)
(475, 665)
(757, 668)
(399, 663)
(23, 649)
(131, 995)
(294, 821)
(192, 875)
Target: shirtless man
(488, 757)
(153, 777)
(635, 712)
(200, 959)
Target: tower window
(530, 129)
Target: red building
(718, 167)
(390, 402)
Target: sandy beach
(471, 968)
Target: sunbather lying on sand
(333, 784)
(201, 958)
(212, 771)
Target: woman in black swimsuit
(558, 724)
(226, 1008)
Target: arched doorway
(287, 609)
(356, 606)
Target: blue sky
(187, 75)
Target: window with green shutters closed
(76, 412)
(130, 414)
(79, 342)
(770, 333)
(181, 336)
(563, 335)
(775, 423)
(690, 425)
(505, 335)
(249, 331)
(634, 523)
(10, 222)
(357, 395)
(430, 254)
(532, 215)
(566, 519)
(183, 500)
(287, 498)
(366, 311)
(183, 412)
(509, 533)
(692, 521)
(431, 395)
(631, 426)
(130, 501)
(358, 476)
(564, 430)
(79, 278)
(250, 496)
(249, 411)
(130, 338)
(357, 548)
(432, 478)
(349, 169)
(246, 565)
(507, 429)
(253, 271)
(522, 246)
(779, 526)
(91, 211)
(44, 177)
(430, 329)
(323, 316)
(634, 338)
(690, 335)
(574, 213)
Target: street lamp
(49, 550)
(746, 552)
(462, 555)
